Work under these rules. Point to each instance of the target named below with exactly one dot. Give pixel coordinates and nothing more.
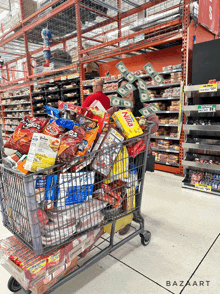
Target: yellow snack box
(127, 123)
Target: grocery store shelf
(206, 128)
(204, 166)
(164, 163)
(15, 110)
(19, 96)
(201, 146)
(164, 137)
(195, 88)
(164, 85)
(139, 76)
(164, 150)
(166, 111)
(70, 89)
(192, 187)
(16, 103)
(167, 125)
(188, 109)
(38, 93)
(164, 99)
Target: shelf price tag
(35, 84)
(63, 78)
(208, 88)
(204, 188)
(51, 80)
(206, 108)
(73, 76)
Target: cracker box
(42, 153)
(127, 124)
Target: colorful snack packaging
(12, 159)
(74, 188)
(69, 144)
(66, 123)
(42, 153)
(127, 123)
(104, 161)
(87, 142)
(21, 139)
(53, 112)
(21, 165)
(53, 129)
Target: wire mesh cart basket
(51, 209)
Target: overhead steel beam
(107, 5)
(131, 3)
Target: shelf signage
(51, 80)
(73, 76)
(209, 15)
(35, 84)
(124, 43)
(208, 88)
(139, 38)
(204, 188)
(63, 78)
(206, 108)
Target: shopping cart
(50, 208)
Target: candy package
(21, 139)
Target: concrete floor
(184, 247)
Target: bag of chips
(69, 144)
(53, 129)
(21, 139)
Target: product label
(206, 108)
(208, 88)
(204, 188)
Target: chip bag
(69, 144)
(53, 129)
(21, 139)
(87, 142)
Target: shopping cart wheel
(145, 238)
(13, 285)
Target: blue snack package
(50, 191)
(53, 112)
(66, 123)
(74, 188)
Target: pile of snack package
(205, 178)
(67, 136)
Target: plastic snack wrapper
(127, 123)
(53, 129)
(42, 153)
(66, 123)
(53, 112)
(104, 161)
(87, 142)
(69, 144)
(21, 139)
(74, 188)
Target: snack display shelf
(16, 103)
(168, 125)
(166, 111)
(70, 89)
(201, 146)
(205, 128)
(166, 163)
(38, 93)
(164, 150)
(202, 166)
(164, 137)
(18, 96)
(164, 85)
(15, 110)
(192, 187)
(139, 76)
(164, 99)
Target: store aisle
(184, 247)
